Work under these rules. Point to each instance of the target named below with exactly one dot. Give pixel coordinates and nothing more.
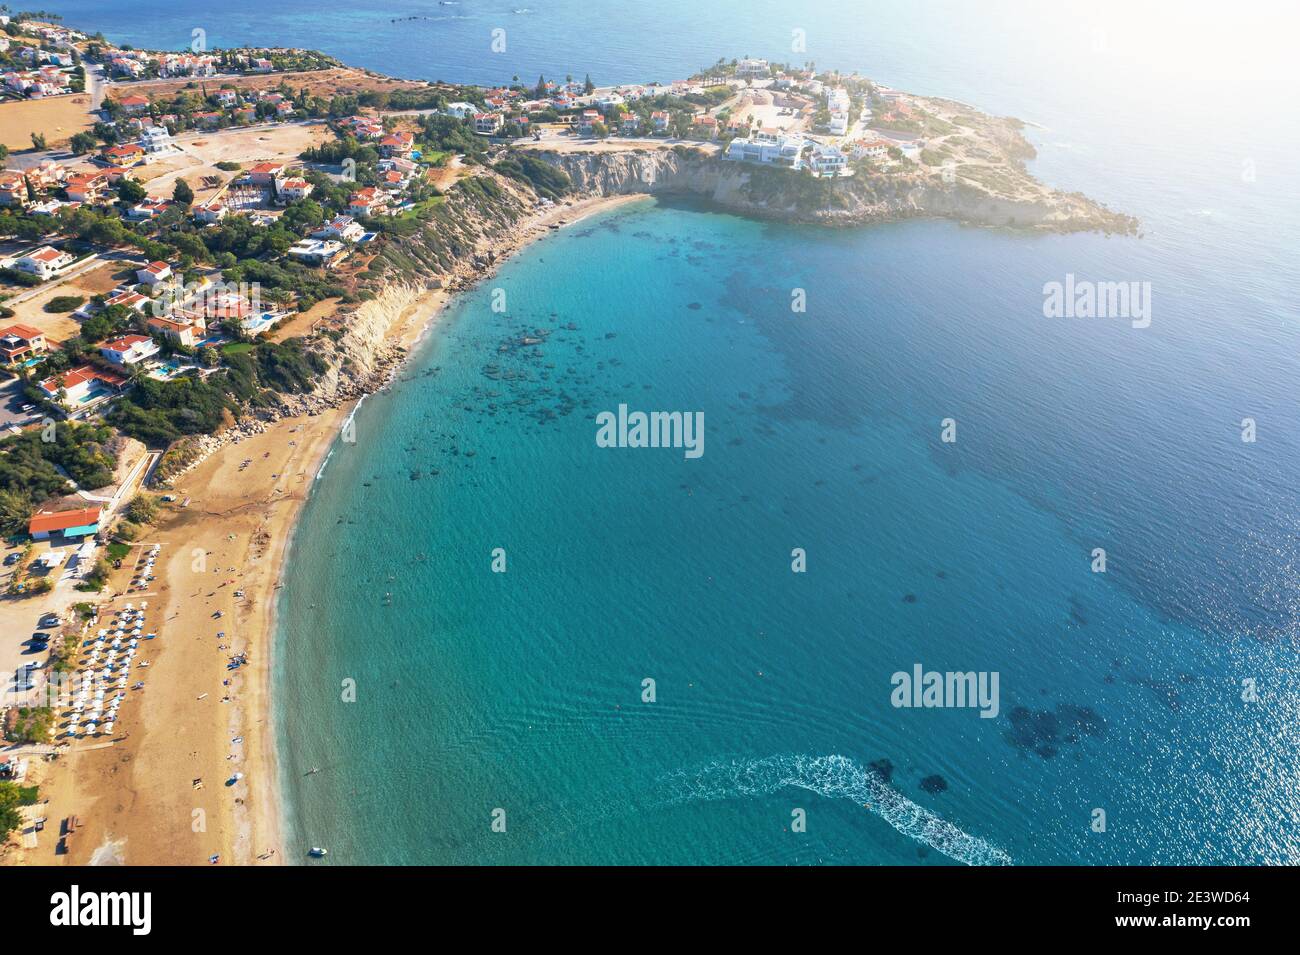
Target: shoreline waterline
(417, 334)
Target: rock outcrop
(772, 193)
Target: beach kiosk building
(82, 522)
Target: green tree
(128, 190)
(15, 512)
(588, 86)
(182, 192)
(82, 143)
(143, 509)
(38, 142)
(12, 797)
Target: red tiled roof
(22, 331)
(125, 342)
(62, 520)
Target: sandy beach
(159, 792)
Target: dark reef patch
(1044, 731)
(934, 784)
(883, 769)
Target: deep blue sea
(522, 691)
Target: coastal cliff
(774, 193)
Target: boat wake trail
(835, 777)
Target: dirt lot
(303, 323)
(57, 118)
(321, 83)
(758, 105)
(63, 326)
(201, 151)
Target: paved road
(95, 85)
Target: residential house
(153, 273)
(764, 148)
(124, 154)
(13, 190)
(828, 161)
(461, 110)
(344, 228)
(83, 386)
(156, 139)
(366, 202)
(322, 252)
(124, 66)
(87, 187)
(874, 149)
(183, 328)
(294, 189)
(265, 173)
(148, 208)
(183, 64)
(661, 118)
(705, 125)
(134, 105)
(223, 305)
(209, 212)
(487, 124)
(44, 262)
(47, 175)
(397, 144)
(128, 298)
(21, 342)
(129, 350)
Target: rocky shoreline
(776, 194)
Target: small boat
(317, 853)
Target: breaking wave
(835, 777)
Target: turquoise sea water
(522, 691)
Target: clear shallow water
(522, 690)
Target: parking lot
(11, 405)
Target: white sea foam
(346, 424)
(836, 777)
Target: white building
(156, 139)
(294, 189)
(213, 210)
(129, 349)
(767, 149)
(828, 161)
(44, 262)
(323, 252)
(462, 110)
(876, 149)
(153, 273)
(343, 228)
